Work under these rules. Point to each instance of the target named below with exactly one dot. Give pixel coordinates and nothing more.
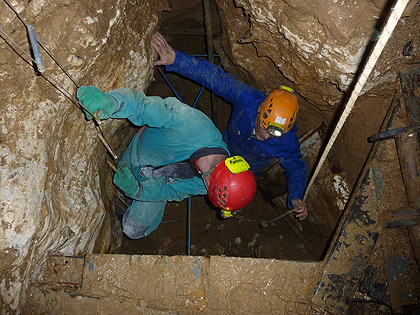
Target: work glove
(95, 101)
(125, 180)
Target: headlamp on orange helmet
(278, 111)
(232, 185)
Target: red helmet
(232, 185)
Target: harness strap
(181, 170)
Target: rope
(58, 86)
(386, 34)
(189, 198)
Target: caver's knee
(132, 229)
(142, 218)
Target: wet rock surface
(55, 185)
(318, 47)
(56, 191)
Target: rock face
(56, 188)
(317, 48)
(55, 185)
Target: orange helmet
(278, 111)
(232, 185)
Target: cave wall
(317, 46)
(56, 189)
(55, 185)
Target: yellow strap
(286, 88)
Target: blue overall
(173, 132)
(245, 101)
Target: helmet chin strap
(205, 174)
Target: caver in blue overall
(245, 101)
(174, 132)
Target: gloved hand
(95, 101)
(125, 180)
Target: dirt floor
(240, 236)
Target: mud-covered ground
(240, 236)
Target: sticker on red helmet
(236, 164)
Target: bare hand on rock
(165, 51)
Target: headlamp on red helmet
(232, 185)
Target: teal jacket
(173, 132)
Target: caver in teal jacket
(173, 132)
(245, 101)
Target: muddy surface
(57, 189)
(240, 236)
